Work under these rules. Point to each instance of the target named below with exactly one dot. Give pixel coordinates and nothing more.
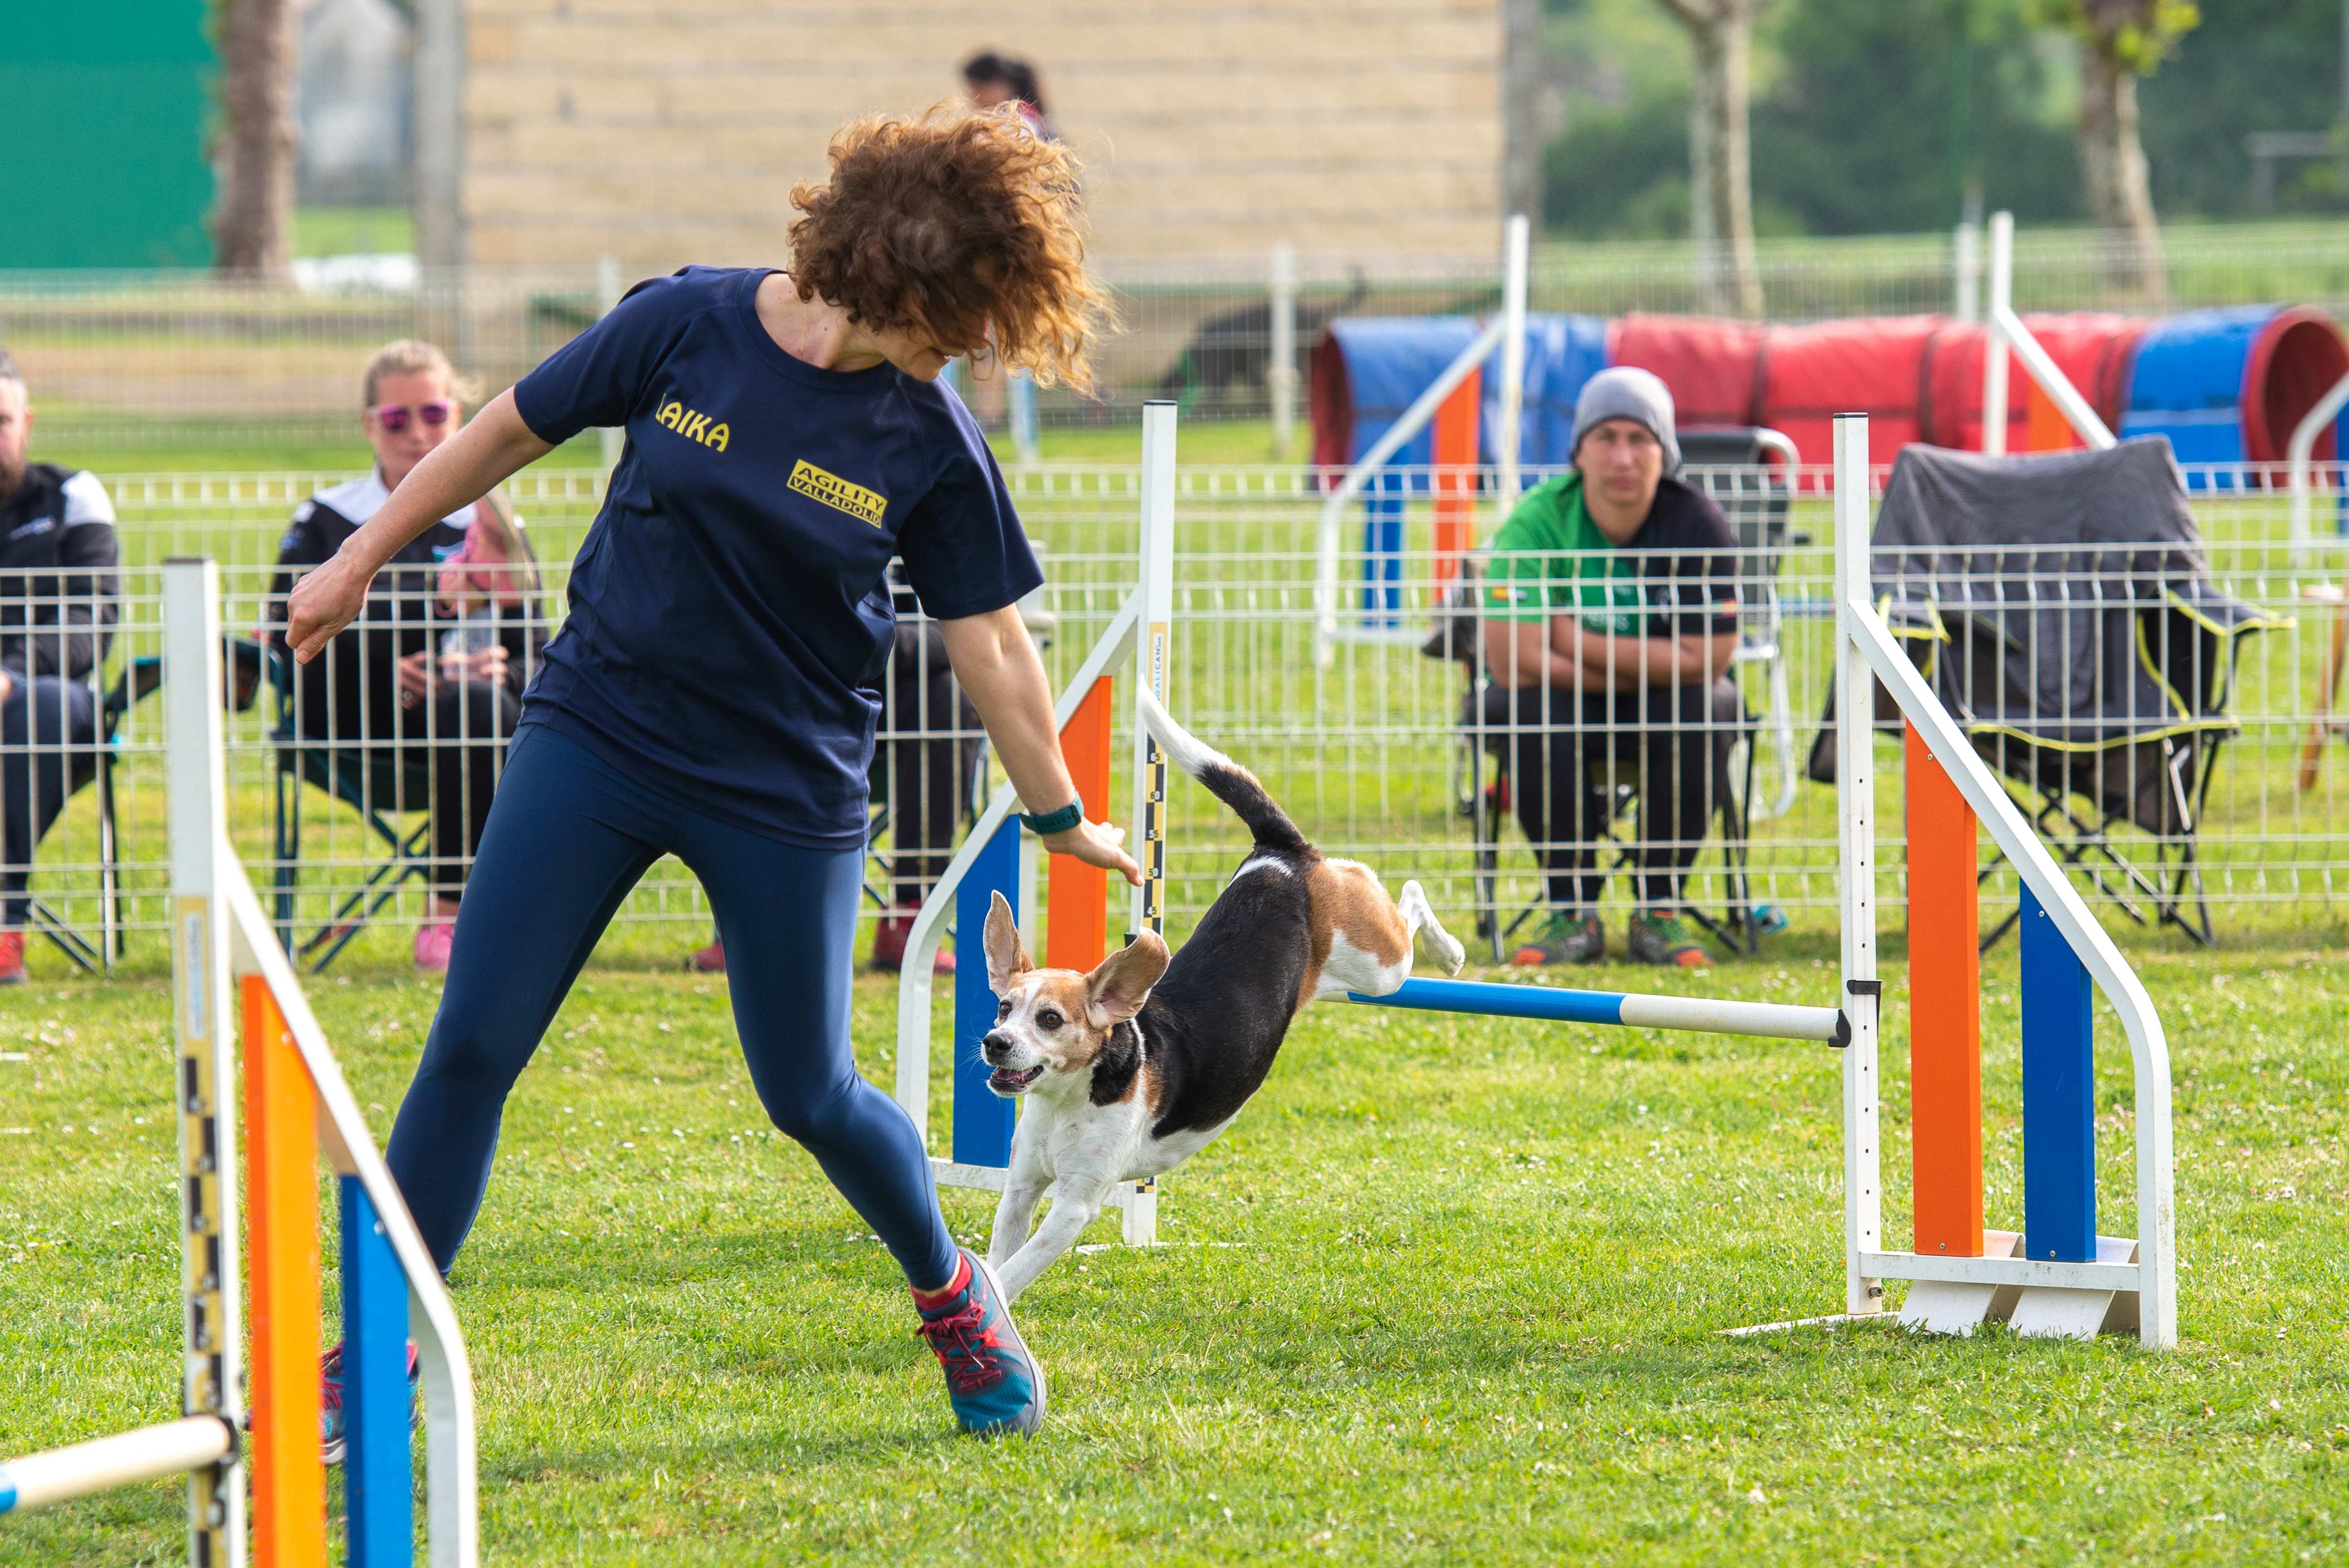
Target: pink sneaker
(433, 940)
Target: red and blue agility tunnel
(1366, 372)
(2224, 386)
(2230, 386)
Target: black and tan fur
(1133, 1068)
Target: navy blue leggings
(567, 836)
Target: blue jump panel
(982, 1120)
(377, 1485)
(1542, 1002)
(2059, 1105)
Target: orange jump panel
(1076, 934)
(1455, 443)
(289, 1484)
(1944, 1010)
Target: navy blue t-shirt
(729, 620)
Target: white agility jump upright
(2116, 1282)
(2009, 334)
(2124, 1279)
(227, 962)
(1142, 628)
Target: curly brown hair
(964, 224)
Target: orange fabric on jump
(1944, 1010)
(1076, 931)
(289, 1483)
(1455, 476)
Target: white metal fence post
(1855, 813)
(1516, 263)
(1967, 260)
(1280, 369)
(2001, 300)
(204, 1017)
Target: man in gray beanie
(1610, 620)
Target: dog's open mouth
(1003, 1080)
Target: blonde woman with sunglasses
(432, 671)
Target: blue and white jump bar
(170, 1449)
(1707, 1014)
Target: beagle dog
(1132, 1069)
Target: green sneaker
(1664, 939)
(1565, 939)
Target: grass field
(1446, 1294)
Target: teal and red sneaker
(332, 1443)
(994, 1384)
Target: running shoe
(889, 945)
(1565, 939)
(332, 1444)
(433, 940)
(709, 960)
(994, 1384)
(1664, 939)
(12, 958)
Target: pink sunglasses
(394, 417)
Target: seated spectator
(59, 596)
(433, 671)
(1608, 620)
(928, 742)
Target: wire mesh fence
(191, 359)
(1373, 721)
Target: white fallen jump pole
(169, 1448)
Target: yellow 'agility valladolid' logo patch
(837, 493)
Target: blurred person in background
(1608, 617)
(59, 604)
(433, 671)
(994, 78)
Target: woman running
(711, 693)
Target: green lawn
(1446, 1294)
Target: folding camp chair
(1484, 795)
(1734, 465)
(2060, 606)
(139, 677)
(374, 782)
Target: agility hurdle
(232, 982)
(997, 857)
(2056, 1275)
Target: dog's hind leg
(1420, 916)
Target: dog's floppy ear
(1116, 989)
(1007, 960)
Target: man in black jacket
(58, 593)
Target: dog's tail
(1226, 779)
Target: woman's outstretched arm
(998, 667)
(491, 447)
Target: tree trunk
(1721, 176)
(253, 222)
(2112, 163)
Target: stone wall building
(662, 131)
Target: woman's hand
(481, 665)
(416, 684)
(326, 602)
(1096, 844)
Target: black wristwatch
(1052, 822)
